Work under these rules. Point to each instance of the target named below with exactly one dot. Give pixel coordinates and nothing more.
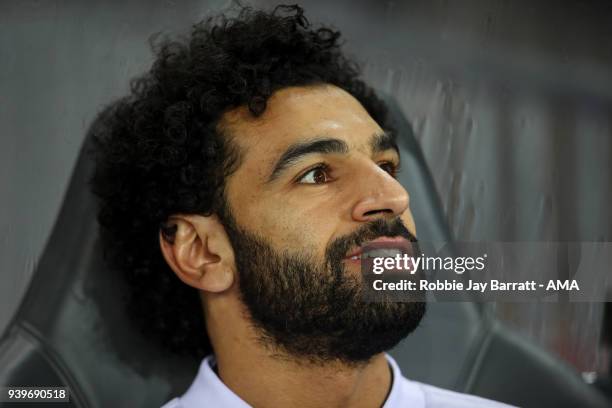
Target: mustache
(368, 232)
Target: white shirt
(207, 390)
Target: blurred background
(511, 102)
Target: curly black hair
(161, 152)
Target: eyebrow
(384, 141)
(379, 142)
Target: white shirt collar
(403, 393)
(208, 390)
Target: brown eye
(317, 175)
(389, 168)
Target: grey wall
(512, 102)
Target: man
(238, 184)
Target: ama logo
(562, 285)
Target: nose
(380, 195)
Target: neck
(262, 376)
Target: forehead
(297, 114)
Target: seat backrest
(71, 327)
(460, 345)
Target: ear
(199, 252)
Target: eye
(318, 175)
(390, 168)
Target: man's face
(315, 183)
(308, 214)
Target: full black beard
(315, 311)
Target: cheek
(295, 224)
(408, 221)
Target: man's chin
(388, 325)
(373, 329)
